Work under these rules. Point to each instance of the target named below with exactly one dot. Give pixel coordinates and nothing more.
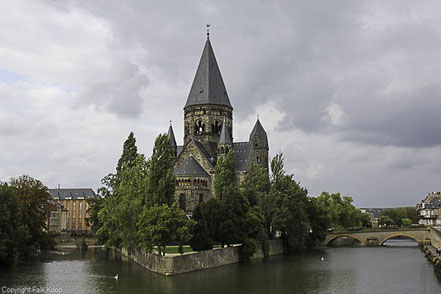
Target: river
(397, 268)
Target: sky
(348, 91)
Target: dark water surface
(388, 269)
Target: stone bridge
(376, 237)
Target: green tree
(118, 216)
(129, 155)
(225, 180)
(161, 180)
(319, 220)
(397, 214)
(384, 220)
(8, 225)
(208, 216)
(406, 222)
(94, 207)
(342, 213)
(33, 208)
(289, 208)
(256, 185)
(161, 224)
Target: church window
(258, 159)
(222, 150)
(201, 198)
(182, 201)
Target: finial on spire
(170, 122)
(208, 31)
(257, 117)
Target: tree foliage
(8, 225)
(161, 181)
(129, 155)
(161, 224)
(399, 213)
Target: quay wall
(435, 236)
(178, 264)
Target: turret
(171, 137)
(259, 145)
(225, 142)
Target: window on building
(201, 198)
(182, 201)
(258, 159)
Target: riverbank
(170, 265)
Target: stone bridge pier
(376, 237)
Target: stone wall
(435, 237)
(178, 264)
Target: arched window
(201, 198)
(182, 201)
(258, 159)
(222, 150)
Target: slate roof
(179, 150)
(224, 137)
(259, 131)
(171, 136)
(72, 194)
(208, 86)
(241, 152)
(190, 167)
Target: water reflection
(385, 269)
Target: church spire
(208, 86)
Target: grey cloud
(120, 92)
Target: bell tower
(208, 106)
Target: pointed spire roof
(259, 131)
(224, 135)
(208, 86)
(171, 136)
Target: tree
(406, 222)
(33, 208)
(161, 182)
(319, 221)
(225, 180)
(289, 206)
(161, 224)
(399, 213)
(8, 225)
(118, 216)
(256, 185)
(129, 155)
(384, 220)
(208, 216)
(342, 213)
(94, 207)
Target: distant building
(70, 211)
(429, 209)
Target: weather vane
(208, 29)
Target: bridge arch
(393, 235)
(327, 242)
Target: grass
(174, 249)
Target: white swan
(116, 277)
(323, 258)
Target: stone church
(208, 129)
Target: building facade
(71, 210)
(429, 210)
(208, 129)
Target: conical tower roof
(171, 136)
(260, 133)
(224, 137)
(208, 86)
